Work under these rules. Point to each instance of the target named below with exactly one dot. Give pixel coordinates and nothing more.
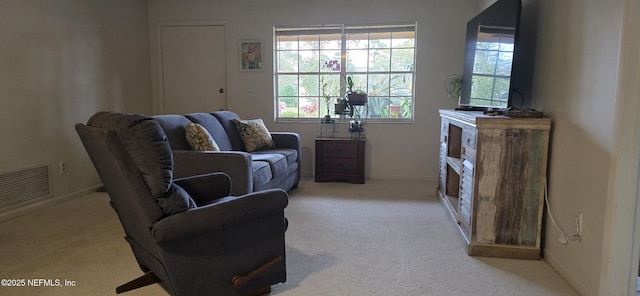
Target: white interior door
(192, 68)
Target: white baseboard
(44, 203)
(433, 180)
(568, 276)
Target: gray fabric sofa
(249, 172)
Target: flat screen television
(498, 59)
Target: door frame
(621, 253)
(159, 102)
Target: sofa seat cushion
(277, 162)
(290, 154)
(261, 173)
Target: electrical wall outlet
(63, 167)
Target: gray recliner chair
(187, 234)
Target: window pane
(481, 87)
(309, 85)
(288, 61)
(402, 40)
(378, 85)
(359, 83)
(310, 42)
(287, 42)
(485, 62)
(309, 60)
(380, 40)
(401, 85)
(378, 107)
(287, 85)
(379, 60)
(330, 85)
(357, 60)
(309, 107)
(401, 59)
(487, 45)
(400, 107)
(506, 44)
(288, 107)
(331, 41)
(357, 40)
(504, 63)
(332, 57)
(501, 89)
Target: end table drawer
(339, 150)
(342, 166)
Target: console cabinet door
(444, 132)
(510, 184)
(467, 187)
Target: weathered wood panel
(509, 186)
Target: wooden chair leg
(239, 281)
(148, 278)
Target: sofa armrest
(286, 140)
(236, 164)
(214, 218)
(207, 188)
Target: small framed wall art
(251, 55)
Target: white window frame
(383, 111)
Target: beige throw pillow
(199, 138)
(255, 135)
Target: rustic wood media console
(492, 174)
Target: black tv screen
(495, 74)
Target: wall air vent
(24, 185)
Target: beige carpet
(380, 238)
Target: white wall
(576, 84)
(393, 150)
(61, 61)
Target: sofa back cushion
(226, 119)
(215, 129)
(174, 127)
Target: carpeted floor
(381, 238)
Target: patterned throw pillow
(199, 138)
(255, 135)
